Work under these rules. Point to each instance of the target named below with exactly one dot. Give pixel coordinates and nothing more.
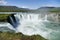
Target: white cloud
(3, 2)
(27, 7)
(24, 7)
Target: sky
(32, 4)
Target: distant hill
(56, 9)
(12, 9)
(48, 9)
(17, 9)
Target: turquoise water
(48, 30)
(33, 24)
(55, 28)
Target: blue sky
(33, 4)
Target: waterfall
(31, 17)
(46, 25)
(46, 18)
(13, 21)
(33, 24)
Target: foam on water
(33, 24)
(2, 24)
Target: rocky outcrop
(19, 36)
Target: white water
(33, 24)
(2, 24)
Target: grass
(19, 36)
(3, 17)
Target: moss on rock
(3, 17)
(19, 36)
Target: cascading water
(46, 18)
(13, 20)
(31, 24)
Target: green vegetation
(17, 9)
(18, 36)
(12, 9)
(55, 10)
(3, 17)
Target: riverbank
(19, 36)
(3, 17)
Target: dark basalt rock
(12, 20)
